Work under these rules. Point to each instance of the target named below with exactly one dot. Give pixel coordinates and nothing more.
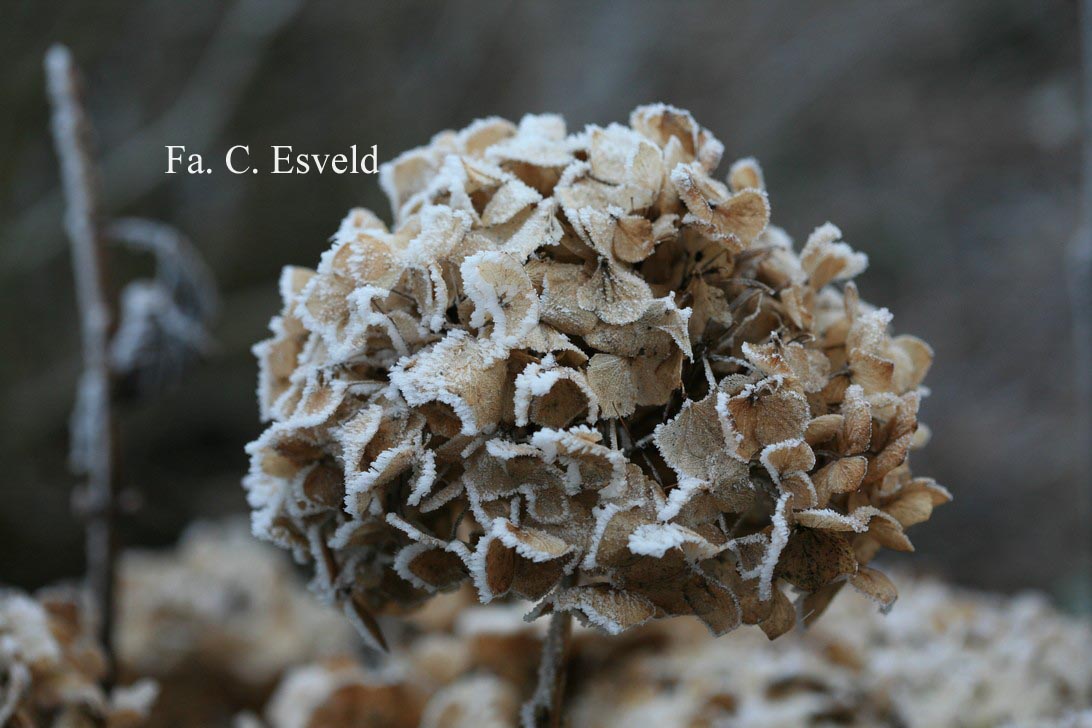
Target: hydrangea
(52, 667)
(221, 604)
(946, 657)
(580, 370)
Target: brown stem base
(544, 709)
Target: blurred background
(943, 137)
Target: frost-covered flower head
(224, 602)
(946, 657)
(51, 666)
(582, 371)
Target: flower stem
(94, 443)
(545, 706)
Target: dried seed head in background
(950, 657)
(52, 666)
(205, 629)
(582, 371)
(221, 603)
(215, 621)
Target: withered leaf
(812, 559)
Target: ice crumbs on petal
(581, 369)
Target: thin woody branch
(94, 447)
(546, 706)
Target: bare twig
(94, 428)
(546, 705)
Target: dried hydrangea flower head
(224, 603)
(945, 657)
(216, 620)
(472, 673)
(582, 371)
(51, 667)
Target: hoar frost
(582, 371)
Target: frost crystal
(582, 371)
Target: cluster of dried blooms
(581, 371)
(948, 658)
(217, 620)
(221, 602)
(945, 657)
(51, 667)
